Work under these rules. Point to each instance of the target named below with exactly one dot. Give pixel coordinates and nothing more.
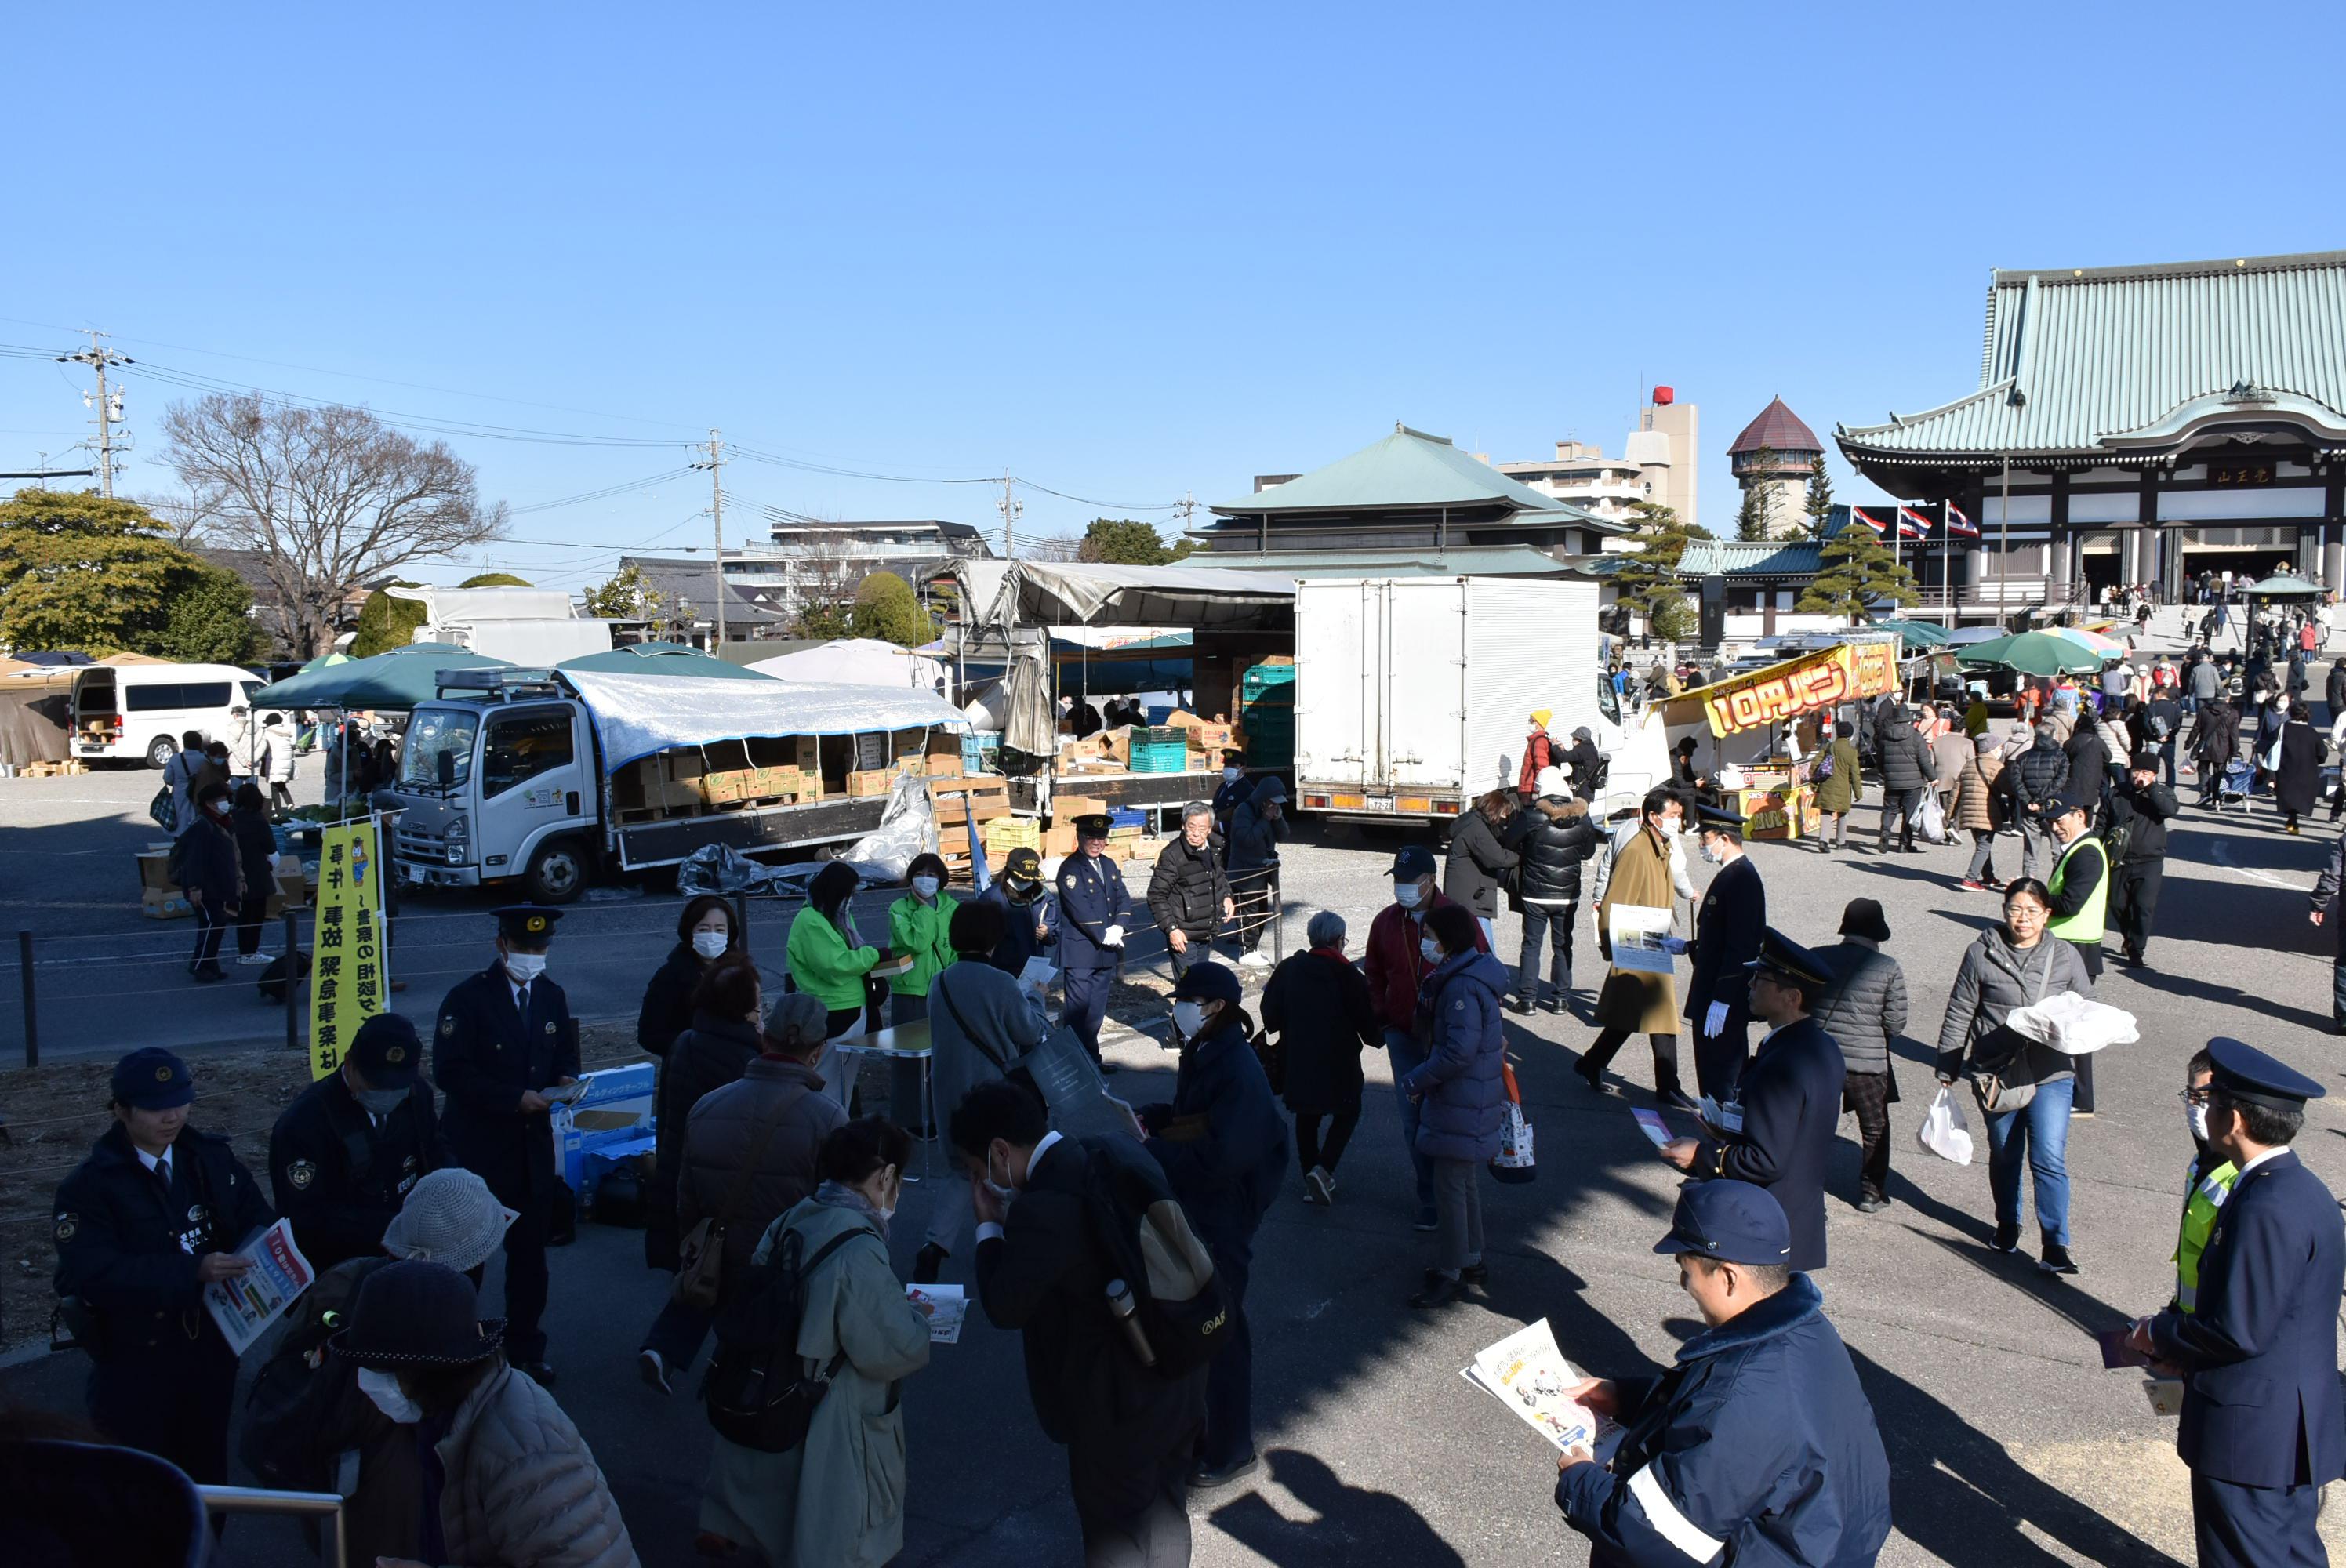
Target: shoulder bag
(700, 1256)
(2000, 1070)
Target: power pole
(1010, 508)
(98, 356)
(715, 467)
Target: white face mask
(389, 1398)
(381, 1101)
(1406, 894)
(1230, 774)
(524, 967)
(1189, 1017)
(1003, 1192)
(710, 944)
(1430, 949)
(2196, 1117)
(1712, 857)
(925, 886)
(1670, 827)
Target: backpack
(1179, 1309)
(284, 970)
(295, 1394)
(756, 1390)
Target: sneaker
(208, 973)
(1317, 1186)
(1873, 1203)
(252, 959)
(2056, 1259)
(1440, 1291)
(1426, 1220)
(2008, 1239)
(1254, 959)
(649, 1362)
(1970, 886)
(1476, 1274)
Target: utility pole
(715, 467)
(1010, 508)
(98, 356)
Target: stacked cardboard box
(159, 897)
(866, 782)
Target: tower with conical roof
(1775, 455)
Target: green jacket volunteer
(2080, 890)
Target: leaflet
(245, 1305)
(1525, 1372)
(1638, 935)
(1650, 1123)
(1038, 975)
(944, 1305)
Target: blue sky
(1126, 256)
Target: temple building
(2138, 424)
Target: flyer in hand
(1525, 1372)
(944, 1305)
(1650, 1123)
(245, 1305)
(1636, 932)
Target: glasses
(2195, 1097)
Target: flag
(1858, 514)
(1959, 523)
(1911, 523)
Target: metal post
(292, 973)
(32, 1011)
(741, 919)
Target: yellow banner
(347, 976)
(1849, 673)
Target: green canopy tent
(1915, 633)
(2031, 653)
(396, 681)
(661, 658)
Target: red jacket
(1539, 751)
(1395, 964)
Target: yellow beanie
(1540, 716)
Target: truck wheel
(160, 754)
(557, 873)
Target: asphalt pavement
(2008, 1442)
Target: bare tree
(189, 517)
(329, 497)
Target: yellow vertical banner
(347, 971)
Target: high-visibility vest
(2092, 919)
(2207, 1196)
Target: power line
(99, 357)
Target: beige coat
(1976, 810)
(523, 1490)
(1633, 1000)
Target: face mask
(710, 944)
(1406, 894)
(2195, 1116)
(925, 886)
(1712, 857)
(1230, 774)
(524, 967)
(1670, 827)
(1430, 949)
(381, 1101)
(389, 1398)
(1003, 1193)
(1189, 1017)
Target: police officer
(343, 1156)
(1093, 908)
(143, 1225)
(2207, 1181)
(2262, 1428)
(1759, 1443)
(1780, 1132)
(503, 1035)
(1030, 922)
(1727, 927)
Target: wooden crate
(986, 797)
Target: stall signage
(1849, 673)
(346, 981)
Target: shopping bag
(2073, 1024)
(1930, 822)
(1513, 1164)
(1943, 1132)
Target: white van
(122, 712)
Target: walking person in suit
(1093, 908)
(1728, 926)
(2263, 1430)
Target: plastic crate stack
(1267, 714)
(1161, 749)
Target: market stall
(1765, 729)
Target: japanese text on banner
(346, 981)
(1850, 673)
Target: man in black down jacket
(2039, 776)
(1906, 771)
(1582, 763)
(1865, 1008)
(2142, 807)
(1551, 840)
(1477, 861)
(1189, 896)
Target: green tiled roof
(2105, 360)
(1750, 558)
(1462, 560)
(1406, 468)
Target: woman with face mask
(918, 927)
(1463, 1095)
(704, 933)
(837, 1499)
(210, 869)
(512, 1480)
(831, 961)
(725, 1038)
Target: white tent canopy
(857, 661)
(638, 715)
(1047, 594)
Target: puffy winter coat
(1997, 977)
(2038, 777)
(1864, 1008)
(1318, 1006)
(1905, 756)
(2216, 734)
(522, 1487)
(1187, 890)
(1551, 841)
(1465, 1097)
(1975, 793)
(1254, 837)
(1950, 754)
(1477, 863)
(666, 1009)
(721, 1136)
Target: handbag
(700, 1256)
(2002, 1078)
(1513, 1164)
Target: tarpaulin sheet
(1089, 593)
(638, 715)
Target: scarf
(839, 1195)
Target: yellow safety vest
(2207, 1196)
(2091, 920)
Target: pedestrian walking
(1636, 1001)
(344, 1157)
(1188, 894)
(1461, 1004)
(1318, 1005)
(2262, 1428)
(704, 935)
(1840, 787)
(1584, 766)
(256, 863)
(2297, 781)
(1395, 965)
(180, 775)
(831, 961)
(2025, 1089)
(1952, 751)
(1864, 1011)
(1980, 804)
(1758, 1444)
(2214, 742)
(2080, 887)
(1478, 864)
(1906, 771)
(982, 1022)
(1093, 906)
(1729, 925)
(1551, 840)
(2140, 810)
(281, 758)
(2038, 777)
(1257, 827)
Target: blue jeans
(1408, 1056)
(2038, 1133)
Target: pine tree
(1858, 570)
(1819, 505)
(1647, 581)
(1757, 517)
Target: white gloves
(1714, 1021)
(1115, 935)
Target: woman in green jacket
(827, 959)
(917, 924)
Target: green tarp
(397, 680)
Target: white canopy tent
(858, 661)
(1003, 594)
(638, 715)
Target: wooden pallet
(66, 768)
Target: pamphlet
(2166, 1395)
(1525, 1372)
(1650, 1123)
(944, 1305)
(244, 1307)
(2116, 1353)
(563, 1093)
(1079, 1102)
(1038, 975)
(1638, 932)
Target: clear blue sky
(1126, 256)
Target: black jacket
(667, 1011)
(711, 1054)
(1905, 756)
(1791, 1102)
(1221, 1141)
(1728, 926)
(131, 1255)
(1319, 1005)
(1582, 763)
(2333, 689)
(2089, 762)
(1477, 863)
(340, 1177)
(1187, 889)
(207, 864)
(1864, 1008)
(1551, 841)
(256, 855)
(483, 1054)
(2145, 814)
(2038, 776)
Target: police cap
(532, 923)
(386, 1050)
(152, 1079)
(2244, 1073)
(1780, 955)
(1717, 820)
(1730, 1222)
(1094, 825)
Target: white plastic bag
(1930, 822)
(2074, 1023)
(1943, 1132)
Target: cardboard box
(155, 872)
(866, 782)
(724, 788)
(1067, 807)
(164, 904)
(1059, 840)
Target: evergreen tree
(1819, 505)
(495, 580)
(100, 575)
(885, 609)
(1756, 516)
(1647, 581)
(386, 623)
(1859, 569)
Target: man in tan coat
(1639, 1001)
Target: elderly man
(1645, 872)
(1189, 896)
(1396, 964)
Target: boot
(927, 1262)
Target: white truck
(555, 776)
(1414, 695)
(528, 626)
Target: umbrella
(1915, 634)
(397, 681)
(660, 658)
(2031, 653)
(1971, 634)
(2092, 642)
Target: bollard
(31, 1012)
(1277, 937)
(292, 969)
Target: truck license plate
(1379, 803)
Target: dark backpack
(283, 969)
(1146, 1240)
(297, 1391)
(757, 1389)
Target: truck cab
(499, 780)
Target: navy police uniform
(1022, 873)
(1791, 1103)
(339, 1169)
(2262, 1427)
(1728, 926)
(128, 1239)
(490, 1045)
(1758, 1445)
(1092, 898)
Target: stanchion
(32, 1011)
(741, 920)
(293, 961)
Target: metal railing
(321, 1505)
